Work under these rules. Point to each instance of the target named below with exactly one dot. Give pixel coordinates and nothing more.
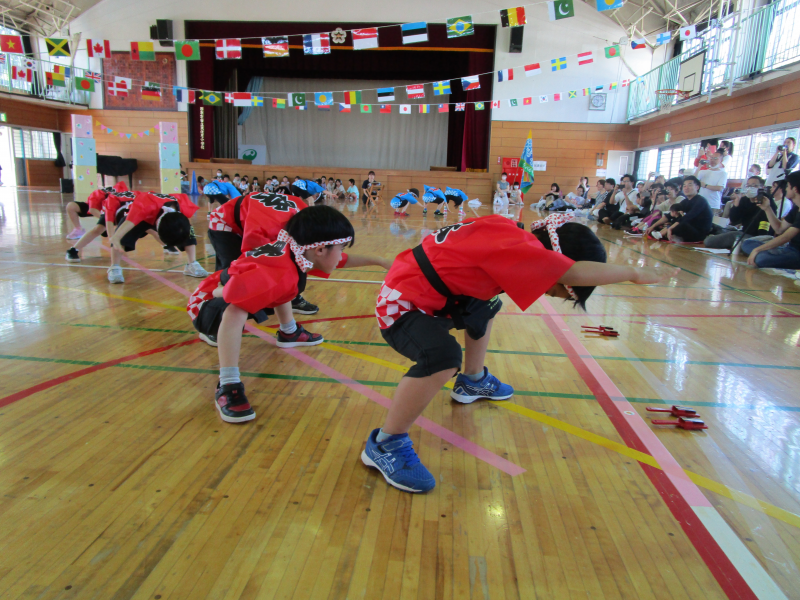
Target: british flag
(92, 75)
(461, 106)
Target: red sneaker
(301, 337)
(232, 404)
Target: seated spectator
(659, 206)
(244, 185)
(783, 251)
(607, 207)
(352, 192)
(584, 185)
(285, 186)
(254, 187)
(713, 180)
(752, 182)
(338, 190)
(783, 161)
(369, 194)
(597, 193)
(236, 179)
(502, 188)
(668, 219)
(747, 213)
(695, 224)
(554, 189)
(754, 170)
(782, 204)
(515, 197)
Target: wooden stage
(118, 479)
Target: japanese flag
(688, 32)
(20, 74)
(405, 109)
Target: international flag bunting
(93, 75)
(573, 94)
(414, 33)
(275, 46)
(405, 109)
(352, 97)
(366, 108)
(461, 106)
(21, 74)
(242, 99)
(513, 102)
(57, 46)
(323, 98)
(423, 109)
(470, 83)
(303, 107)
(386, 94)
(184, 95)
(323, 107)
(612, 51)
(612, 86)
(444, 108)
(526, 162)
(256, 101)
(558, 64)
(386, 108)
(54, 79)
(118, 88)
(98, 48)
(626, 82)
(603, 5)
(505, 75)
(663, 38)
(560, 9)
(459, 27)
(479, 106)
(228, 98)
(65, 71)
(344, 108)
(364, 39)
(212, 98)
(317, 43)
(415, 91)
(151, 91)
(585, 58)
(599, 88)
(82, 83)
(228, 49)
(296, 99)
(532, 69)
(586, 91)
(495, 103)
(513, 17)
(187, 50)
(278, 103)
(543, 99)
(440, 88)
(556, 97)
(11, 44)
(638, 44)
(142, 51)
(688, 32)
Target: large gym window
(34, 144)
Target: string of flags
(123, 135)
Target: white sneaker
(656, 234)
(195, 270)
(115, 275)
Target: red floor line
(779, 315)
(70, 376)
(715, 558)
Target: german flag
(513, 17)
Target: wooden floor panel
(123, 482)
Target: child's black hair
(414, 191)
(319, 224)
(579, 243)
(555, 185)
(353, 181)
(174, 229)
(675, 207)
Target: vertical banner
(202, 131)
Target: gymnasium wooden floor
(118, 480)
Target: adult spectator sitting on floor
(713, 180)
(783, 161)
(746, 212)
(607, 206)
(695, 224)
(783, 251)
(627, 200)
(754, 181)
(596, 195)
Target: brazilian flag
(459, 27)
(212, 99)
(57, 46)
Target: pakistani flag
(296, 99)
(560, 9)
(513, 102)
(526, 162)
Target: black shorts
(84, 209)
(128, 241)
(227, 247)
(210, 316)
(102, 221)
(299, 192)
(457, 200)
(218, 198)
(426, 339)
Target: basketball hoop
(666, 98)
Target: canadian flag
(19, 74)
(495, 103)
(118, 88)
(98, 48)
(688, 32)
(229, 49)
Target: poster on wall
(540, 165)
(257, 154)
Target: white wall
(123, 21)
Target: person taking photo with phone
(783, 161)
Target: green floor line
(309, 379)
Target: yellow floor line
(114, 296)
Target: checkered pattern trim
(217, 221)
(196, 301)
(389, 307)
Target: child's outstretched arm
(360, 260)
(588, 273)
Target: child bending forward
(452, 280)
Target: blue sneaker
(490, 387)
(396, 460)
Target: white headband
(302, 262)
(552, 223)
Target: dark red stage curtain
(468, 132)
